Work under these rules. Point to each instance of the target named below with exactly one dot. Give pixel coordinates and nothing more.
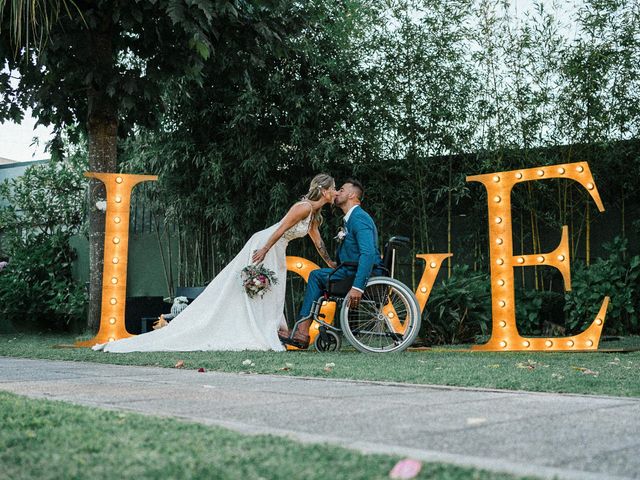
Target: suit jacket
(360, 246)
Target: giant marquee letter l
(116, 247)
(504, 333)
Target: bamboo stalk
(185, 278)
(539, 279)
(413, 263)
(559, 189)
(180, 267)
(170, 261)
(588, 233)
(164, 263)
(522, 246)
(213, 252)
(533, 235)
(449, 196)
(573, 243)
(622, 227)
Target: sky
(16, 140)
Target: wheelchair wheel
(327, 341)
(387, 319)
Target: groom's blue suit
(359, 246)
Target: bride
(223, 317)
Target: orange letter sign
(116, 246)
(433, 262)
(504, 333)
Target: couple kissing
(224, 318)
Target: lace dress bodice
(299, 230)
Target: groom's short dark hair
(358, 185)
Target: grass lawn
(591, 373)
(55, 440)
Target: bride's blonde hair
(320, 182)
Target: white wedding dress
(223, 317)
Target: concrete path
(546, 435)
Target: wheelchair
(387, 318)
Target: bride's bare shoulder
(302, 207)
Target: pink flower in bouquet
(257, 280)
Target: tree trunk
(102, 132)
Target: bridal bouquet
(257, 280)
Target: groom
(358, 240)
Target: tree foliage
(104, 70)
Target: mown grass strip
(596, 373)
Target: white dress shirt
(348, 214)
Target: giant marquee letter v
(504, 332)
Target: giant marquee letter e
(504, 333)
(116, 247)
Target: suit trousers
(317, 284)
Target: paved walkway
(564, 436)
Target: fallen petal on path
(406, 468)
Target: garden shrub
(616, 276)
(540, 313)
(37, 290)
(459, 308)
(44, 210)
